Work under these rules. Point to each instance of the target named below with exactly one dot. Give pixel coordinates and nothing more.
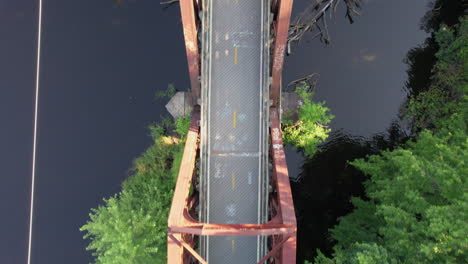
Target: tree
(448, 81)
(311, 128)
(422, 59)
(416, 203)
(328, 181)
(130, 227)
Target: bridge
(232, 202)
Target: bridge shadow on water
(327, 182)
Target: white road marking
(231, 210)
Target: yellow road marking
(233, 181)
(235, 55)
(233, 245)
(234, 119)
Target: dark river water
(101, 66)
(362, 75)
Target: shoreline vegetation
(311, 128)
(411, 203)
(415, 204)
(130, 227)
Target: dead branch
(303, 79)
(314, 18)
(169, 3)
(310, 80)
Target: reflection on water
(362, 73)
(327, 182)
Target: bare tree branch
(307, 79)
(314, 17)
(168, 3)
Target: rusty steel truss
(183, 226)
(189, 10)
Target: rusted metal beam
(175, 251)
(180, 222)
(188, 13)
(187, 166)
(197, 256)
(283, 18)
(189, 225)
(182, 243)
(285, 200)
(274, 250)
(288, 252)
(204, 229)
(181, 193)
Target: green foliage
(442, 12)
(130, 227)
(417, 207)
(449, 81)
(178, 153)
(182, 125)
(311, 128)
(417, 204)
(168, 93)
(359, 253)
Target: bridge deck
(234, 125)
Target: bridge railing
(183, 227)
(191, 24)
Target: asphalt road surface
(235, 120)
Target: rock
(179, 105)
(290, 103)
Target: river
(102, 64)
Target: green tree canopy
(311, 128)
(417, 202)
(130, 227)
